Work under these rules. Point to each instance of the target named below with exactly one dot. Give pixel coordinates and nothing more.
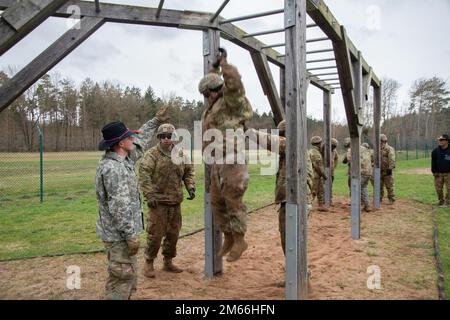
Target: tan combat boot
(239, 246)
(149, 271)
(227, 244)
(170, 267)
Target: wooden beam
(324, 18)
(268, 84)
(344, 66)
(171, 18)
(327, 145)
(356, 153)
(296, 153)
(376, 146)
(213, 236)
(22, 17)
(26, 77)
(134, 15)
(358, 91)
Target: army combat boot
(149, 271)
(322, 208)
(239, 246)
(227, 244)
(170, 267)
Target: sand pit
(397, 238)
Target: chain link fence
(413, 149)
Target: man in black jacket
(440, 166)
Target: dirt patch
(417, 171)
(398, 239)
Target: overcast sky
(400, 39)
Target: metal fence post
(41, 165)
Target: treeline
(417, 120)
(70, 117)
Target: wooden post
(21, 18)
(31, 73)
(296, 153)
(356, 160)
(213, 236)
(376, 146)
(327, 145)
(268, 84)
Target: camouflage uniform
(229, 181)
(442, 180)
(120, 214)
(161, 180)
(280, 184)
(319, 175)
(440, 167)
(333, 162)
(347, 162)
(387, 163)
(366, 173)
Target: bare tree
(389, 97)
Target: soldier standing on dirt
(319, 173)
(366, 173)
(333, 161)
(347, 143)
(280, 184)
(162, 171)
(228, 108)
(387, 169)
(440, 166)
(120, 216)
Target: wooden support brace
(26, 77)
(22, 17)
(346, 75)
(213, 236)
(268, 84)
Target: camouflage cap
(165, 128)
(383, 138)
(210, 82)
(347, 142)
(334, 143)
(316, 140)
(282, 126)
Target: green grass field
(65, 222)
